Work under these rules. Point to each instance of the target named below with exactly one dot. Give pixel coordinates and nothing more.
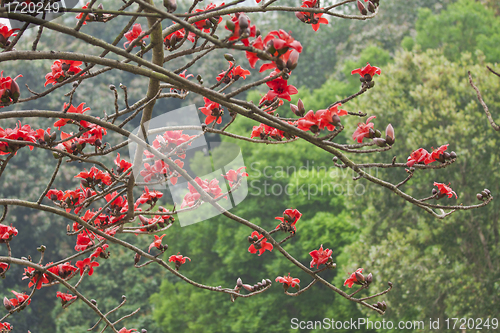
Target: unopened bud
(371, 7)
(229, 57)
(380, 142)
(292, 60)
(360, 277)
(479, 196)
(487, 191)
(239, 283)
(171, 5)
(248, 287)
(453, 155)
(137, 258)
(434, 191)
(300, 16)
(230, 25)
(484, 194)
(112, 87)
(93, 301)
(369, 278)
(243, 20)
(7, 303)
(378, 134)
(389, 135)
(362, 8)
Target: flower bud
(453, 155)
(230, 25)
(268, 281)
(93, 301)
(369, 278)
(488, 192)
(248, 287)
(239, 283)
(479, 196)
(371, 7)
(378, 134)
(380, 142)
(301, 107)
(243, 20)
(389, 135)
(171, 5)
(360, 277)
(7, 303)
(362, 8)
(264, 282)
(229, 57)
(300, 16)
(484, 194)
(137, 258)
(292, 60)
(434, 191)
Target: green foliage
(464, 26)
(440, 268)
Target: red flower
(352, 279)
(363, 130)
(206, 24)
(310, 121)
(177, 36)
(445, 190)
(125, 330)
(71, 146)
(83, 240)
(78, 110)
(417, 156)
(169, 141)
(94, 177)
(264, 131)
(7, 232)
(241, 25)
(3, 267)
(178, 259)
(290, 217)
(20, 299)
(158, 245)
(5, 33)
(320, 256)
(9, 89)
(36, 277)
(87, 18)
(133, 34)
(330, 117)
(5, 327)
(99, 252)
(61, 70)
(251, 56)
(65, 297)
(262, 246)
(235, 74)
(21, 133)
(367, 70)
(436, 155)
(282, 41)
(234, 176)
(212, 188)
(64, 270)
(86, 263)
(121, 164)
(288, 280)
(314, 19)
(159, 171)
(279, 88)
(212, 110)
(148, 197)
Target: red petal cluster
(212, 110)
(445, 190)
(288, 280)
(9, 89)
(320, 257)
(61, 70)
(133, 34)
(260, 247)
(234, 177)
